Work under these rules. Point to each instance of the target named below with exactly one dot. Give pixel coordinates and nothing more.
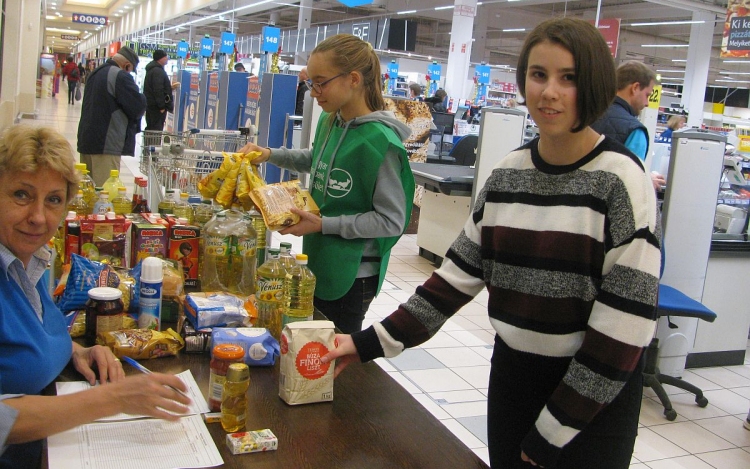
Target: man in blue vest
(635, 82)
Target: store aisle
(449, 373)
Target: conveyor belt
(444, 178)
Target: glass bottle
(299, 293)
(121, 203)
(140, 196)
(234, 397)
(103, 205)
(269, 294)
(113, 183)
(79, 205)
(183, 209)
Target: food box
(252, 442)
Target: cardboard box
(303, 379)
(184, 247)
(148, 240)
(105, 240)
(252, 442)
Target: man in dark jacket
(158, 92)
(111, 115)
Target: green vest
(348, 190)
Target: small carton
(303, 379)
(149, 240)
(105, 240)
(252, 442)
(184, 247)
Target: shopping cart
(179, 161)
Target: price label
(654, 97)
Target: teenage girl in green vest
(359, 177)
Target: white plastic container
(152, 278)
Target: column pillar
(10, 71)
(696, 71)
(305, 17)
(479, 46)
(459, 53)
(28, 63)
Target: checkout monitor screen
(443, 120)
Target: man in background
(301, 89)
(111, 115)
(635, 82)
(239, 67)
(158, 91)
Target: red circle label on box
(308, 360)
(284, 345)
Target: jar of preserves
(104, 312)
(222, 356)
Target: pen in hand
(145, 370)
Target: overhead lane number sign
(227, 43)
(355, 3)
(271, 39)
(207, 47)
(89, 19)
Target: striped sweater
(570, 258)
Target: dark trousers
(348, 312)
(155, 119)
(518, 390)
(72, 91)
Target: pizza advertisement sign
(735, 40)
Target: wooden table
(372, 423)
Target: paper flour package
(303, 378)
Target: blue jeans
(348, 312)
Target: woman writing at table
(564, 237)
(37, 179)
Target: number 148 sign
(271, 39)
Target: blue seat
(465, 150)
(672, 302)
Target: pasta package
(142, 343)
(248, 180)
(225, 196)
(209, 186)
(275, 201)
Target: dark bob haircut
(595, 76)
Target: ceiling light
(445, 7)
(66, 31)
(735, 73)
(733, 81)
(117, 14)
(736, 61)
(50, 17)
(679, 60)
(53, 8)
(406, 12)
(671, 71)
(665, 23)
(665, 45)
(514, 30)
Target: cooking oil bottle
(121, 203)
(299, 293)
(269, 294)
(285, 256)
(260, 230)
(241, 278)
(103, 205)
(183, 209)
(216, 246)
(87, 185)
(234, 397)
(113, 183)
(204, 212)
(167, 205)
(79, 205)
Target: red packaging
(148, 240)
(184, 248)
(105, 240)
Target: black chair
(672, 302)
(465, 150)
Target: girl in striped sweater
(565, 237)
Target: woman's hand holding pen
(156, 395)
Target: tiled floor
(449, 373)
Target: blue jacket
(619, 121)
(111, 113)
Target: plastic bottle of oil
(241, 278)
(167, 205)
(216, 253)
(269, 294)
(183, 209)
(121, 203)
(260, 230)
(299, 293)
(113, 183)
(204, 212)
(79, 205)
(285, 256)
(103, 205)
(234, 397)
(87, 185)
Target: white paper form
(135, 444)
(198, 402)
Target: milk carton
(303, 378)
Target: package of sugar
(303, 378)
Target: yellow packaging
(225, 196)
(209, 186)
(142, 343)
(252, 442)
(274, 202)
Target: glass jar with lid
(222, 356)
(104, 312)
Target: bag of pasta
(209, 186)
(141, 343)
(275, 201)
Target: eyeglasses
(318, 87)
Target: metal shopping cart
(179, 161)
